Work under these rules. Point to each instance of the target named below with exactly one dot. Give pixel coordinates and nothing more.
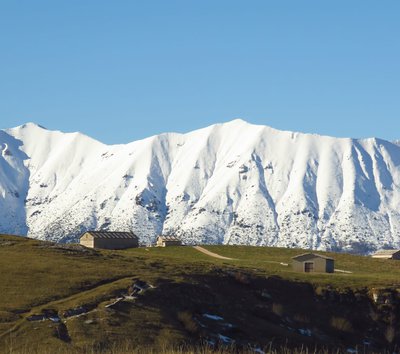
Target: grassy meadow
(40, 276)
(359, 271)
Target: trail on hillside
(39, 307)
(211, 254)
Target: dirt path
(343, 271)
(211, 254)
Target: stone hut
(109, 239)
(313, 263)
(164, 241)
(387, 254)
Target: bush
(277, 309)
(186, 318)
(373, 314)
(319, 290)
(390, 334)
(341, 324)
(242, 278)
(302, 318)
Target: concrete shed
(313, 263)
(387, 254)
(109, 239)
(164, 241)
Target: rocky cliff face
(232, 183)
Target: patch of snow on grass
(212, 317)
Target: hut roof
(112, 234)
(306, 256)
(386, 252)
(169, 238)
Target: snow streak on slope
(233, 183)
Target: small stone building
(387, 254)
(109, 240)
(313, 263)
(164, 241)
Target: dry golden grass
(127, 348)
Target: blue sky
(124, 70)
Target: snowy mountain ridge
(232, 183)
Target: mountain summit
(232, 183)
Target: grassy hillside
(39, 275)
(352, 271)
(365, 271)
(253, 294)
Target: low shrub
(341, 324)
(277, 309)
(242, 278)
(319, 290)
(302, 318)
(374, 315)
(390, 334)
(186, 318)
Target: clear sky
(124, 70)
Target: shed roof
(386, 252)
(112, 234)
(306, 256)
(169, 238)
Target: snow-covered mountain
(232, 183)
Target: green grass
(366, 271)
(32, 275)
(36, 276)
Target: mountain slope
(228, 183)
